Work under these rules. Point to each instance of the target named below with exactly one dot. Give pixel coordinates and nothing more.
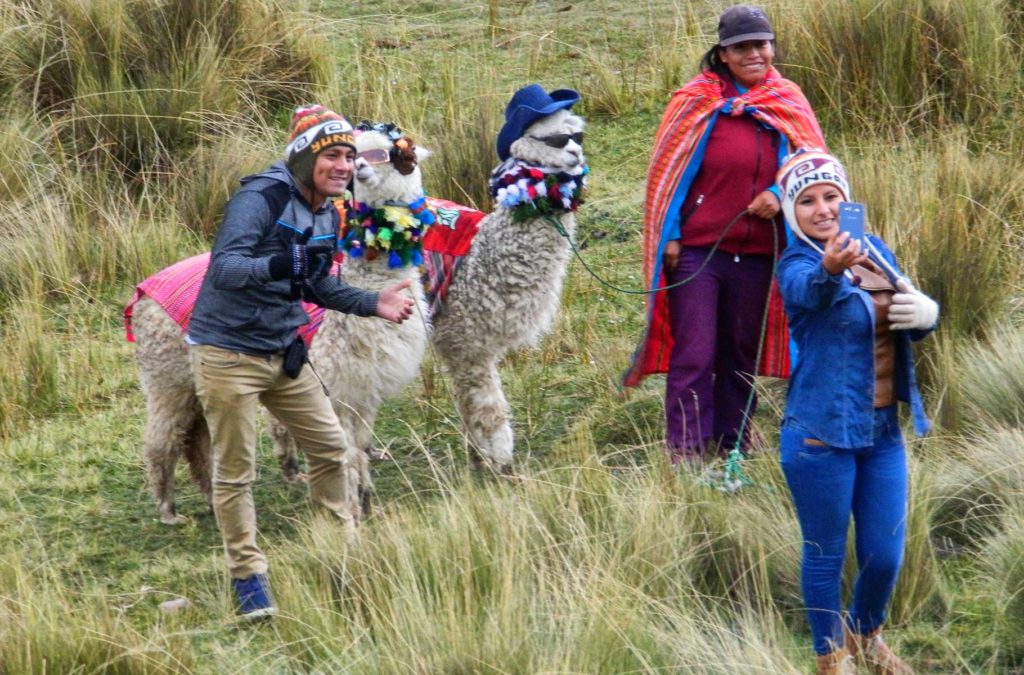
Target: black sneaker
(253, 595)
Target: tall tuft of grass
(29, 378)
(993, 378)
(462, 137)
(45, 626)
(607, 90)
(947, 212)
(919, 591)
(975, 482)
(23, 274)
(1003, 562)
(135, 81)
(209, 174)
(577, 570)
(916, 63)
(940, 372)
(79, 230)
(24, 154)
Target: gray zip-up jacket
(239, 306)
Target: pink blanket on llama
(176, 288)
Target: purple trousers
(716, 324)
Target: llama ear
(403, 156)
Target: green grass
(117, 149)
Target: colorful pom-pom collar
(394, 229)
(529, 191)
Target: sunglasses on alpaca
(375, 156)
(560, 140)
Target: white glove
(911, 309)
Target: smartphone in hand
(851, 219)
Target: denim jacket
(832, 322)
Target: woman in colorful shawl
(711, 235)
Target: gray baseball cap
(741, 23)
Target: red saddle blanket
(444, 246)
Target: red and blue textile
(445, 245)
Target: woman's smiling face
(748, 61)
(817, 211)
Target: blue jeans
(828, 485)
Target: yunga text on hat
(528, 105)
(801, 170)
(742, 23)
(313, 129)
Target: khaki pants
(230, 387)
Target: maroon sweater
(740, 161)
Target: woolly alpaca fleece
(175, 426)
(505, 296)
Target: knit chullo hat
(802, 169)
(313, 129)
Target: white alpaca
(506, 293)
(360, 361)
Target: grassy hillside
(126, 127)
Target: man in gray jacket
(274, 247)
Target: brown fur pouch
(403, 155)
(294, 358)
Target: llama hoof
(477, 461)
(365, 503)
(173, 519)
(291, 471)
(506, 470)
(376, 455)
(508, 474)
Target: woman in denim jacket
(852, 317)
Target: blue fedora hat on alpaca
(528, 105)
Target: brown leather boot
(838, 662)
(871, 651)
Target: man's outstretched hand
(393, 304)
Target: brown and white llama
(507, 290)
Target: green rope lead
(733, 477)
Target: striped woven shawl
(678, 151)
